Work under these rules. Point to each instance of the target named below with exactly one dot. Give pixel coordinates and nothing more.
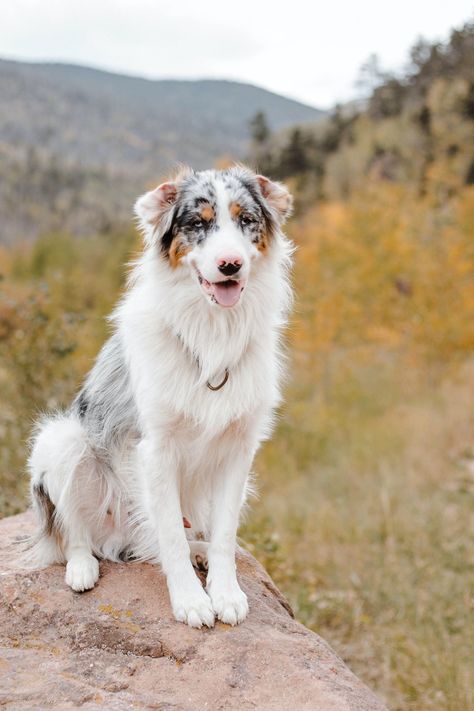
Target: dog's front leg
(228, 600)
(189, 601)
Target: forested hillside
(416, 130)
(77, 145)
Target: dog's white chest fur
(175, 348)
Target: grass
(364, 519)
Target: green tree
(259, 128)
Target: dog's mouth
(225, 293)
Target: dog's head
(216, 225)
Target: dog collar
(221, 385)
(214, 388)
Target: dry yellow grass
(365, 521)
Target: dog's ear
(277, 196)
(154, 210)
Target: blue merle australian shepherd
(152, 459)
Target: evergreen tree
(259, 128)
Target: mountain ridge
(106, 72)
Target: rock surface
(118, 646)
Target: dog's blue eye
(197, 224)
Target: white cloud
(309, 51)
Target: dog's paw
(198, 554)
(194, 609)
(82, 572)
(229, 602)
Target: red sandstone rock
(118, 646)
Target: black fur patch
(82, 404)
(47, 509)
(167, 238)
(254, 193)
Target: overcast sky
(305, 49)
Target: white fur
(187, 451)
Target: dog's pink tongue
(227, 295)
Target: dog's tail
(58, 446)
(45, 546)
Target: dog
(152, 460)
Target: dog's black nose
(229, 268)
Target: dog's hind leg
(63, 480)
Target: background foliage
(363, 516)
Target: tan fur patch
(235, 209)
(262, 244)
(207, 213)
(177, 251)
